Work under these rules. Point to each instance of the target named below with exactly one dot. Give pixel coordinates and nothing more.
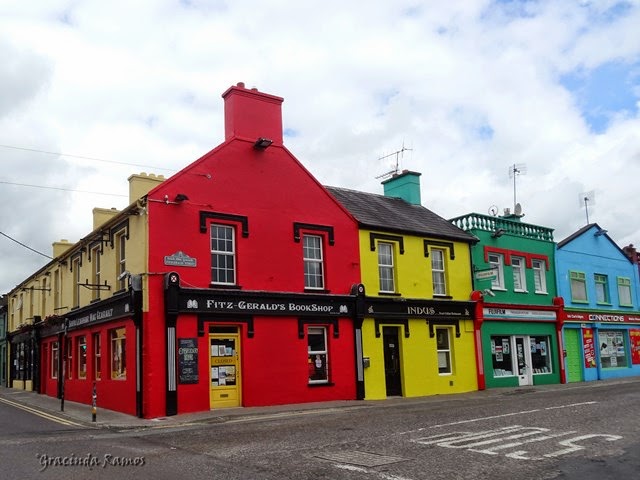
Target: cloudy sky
(93, 91)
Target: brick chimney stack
(250, 114)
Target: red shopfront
(247, 348)
(93, 346)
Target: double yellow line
(48, 416)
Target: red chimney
(250, 114)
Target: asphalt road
(579, 431)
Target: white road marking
(369, 471)
(42, 414)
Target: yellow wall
(418, 353)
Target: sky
(460, 91)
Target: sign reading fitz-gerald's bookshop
(188, 360)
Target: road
(579, 431)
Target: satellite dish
(517, 210)
(493, 210)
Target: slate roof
(378, 212)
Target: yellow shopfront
(225, 380)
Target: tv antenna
(515, 170)
(399, 155)
(587, 198)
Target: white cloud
(470, 87)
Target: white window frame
(229, 255)
(624, 283)
(496, 262)
(518, 265)
(95, 272)
(76, 281)
(438, 272)
(313, 257)
(444, 352)
(311, 353)
(539, 276)
(121, 259)
(55, 352)
(386, 270)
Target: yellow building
(83, 280)
(416, 335)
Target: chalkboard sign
(188, 360)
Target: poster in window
(634, 335)
(543, 349)
(493, 347)
(505, 346)
(534, 347)
(589, 348)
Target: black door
(392, 361)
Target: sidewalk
(79, 413)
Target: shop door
(392, 361)
(225, 370)
(574, 354)
(523, 361)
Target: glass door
(523, 361)
(225, 370)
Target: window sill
(316, 290)
(444, 297)
(95, 300)
(541, 293)
(605, 304)
(625, 306)
(389, 294)
(520, 291)
(583, 302)
(324, 384)
(225, 287)
(498, 289)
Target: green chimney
(405, 185)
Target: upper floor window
(313, 261)
(438, 273)
(624, 291)
(386, 267)
(578, 285)
(45, 289)
(56, 290)
(95, 273)
(76, 282)
(519, 279)
(223, 255)
(602, 288)
(121, 260)
(539, 277)
(496, 261)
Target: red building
(251, 264)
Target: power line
(25, 246)
(86, 158)
(63, 189)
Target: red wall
(273, 190)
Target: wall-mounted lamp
(181, 197)
(498, 233)
(489, 292)
(599, 233)
(262, 143)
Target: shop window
(438, 273)
(97, 356)
(519, 279)
(624, 291)
(578, 287)
(540, 356)
(501, 356)
(68, 351)
(602, 288)
(386, 267)
(118, 354)
(313, 262)
(317, 355)
(223, 255)
(539, 277)
(54, 359)
(82, 357)
(496, 262)
(443, 346)
(613, 351)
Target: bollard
(94, 399)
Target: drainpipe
(478, 298)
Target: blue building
(599, 284)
